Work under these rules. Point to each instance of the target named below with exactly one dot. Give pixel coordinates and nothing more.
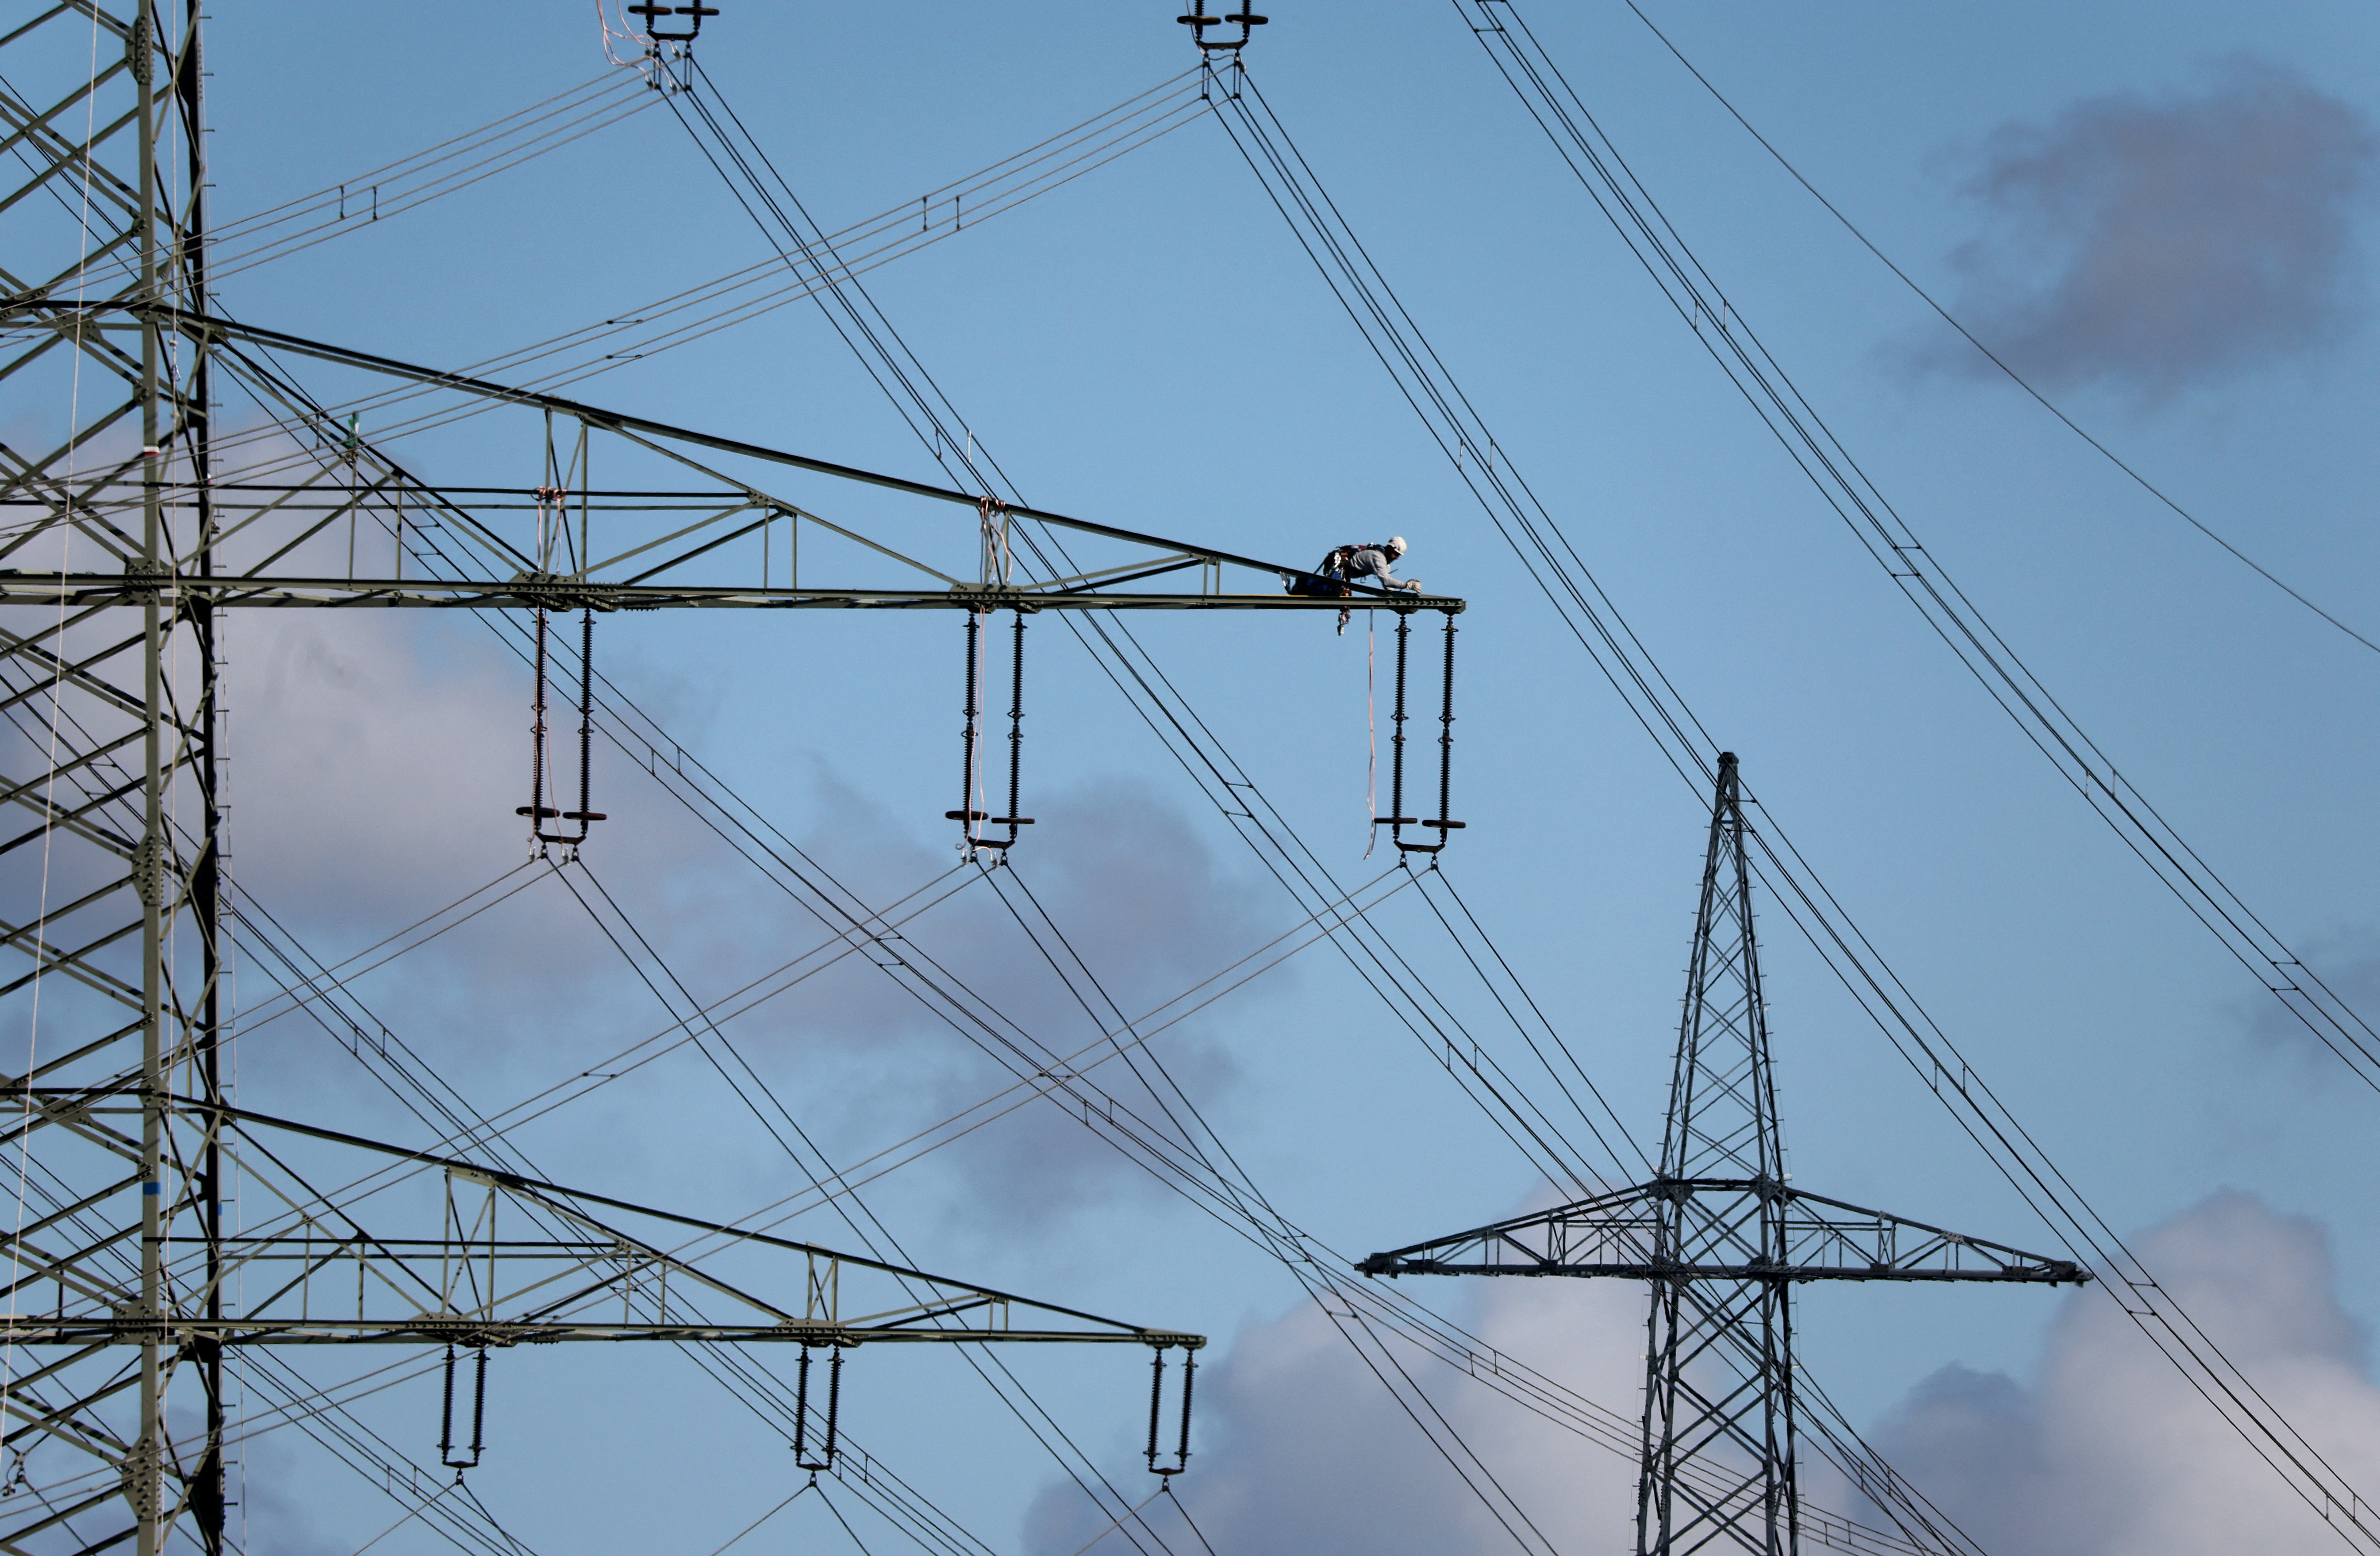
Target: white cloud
(1300, 1450)
(2108, 1451)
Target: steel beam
(79, 590)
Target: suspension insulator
(1189, 1378)
(971, 737)
(1015, 743)
(1397, 821)
(537, 811)
(802, 1411)
(1443, 821)
(971, 732)
(1157, 1410)
(447, 1453)
(1156, 1403)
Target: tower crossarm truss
(413, 1247)
(1738, 1229)
(310, 507)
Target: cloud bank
(2104, 1451)
(1301, 1452)
(2151, 245)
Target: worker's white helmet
(1397, 544)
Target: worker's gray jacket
(1369, 564)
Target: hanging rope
(479, 1416)
(1396, 819)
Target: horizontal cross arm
(91, 589)
(1761, 1230)
(44, 1331)
(205, 328)
(2035, 1274)
(913, 1320)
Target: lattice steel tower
(1722, 1238)
(117, 559)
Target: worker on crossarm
(1370, 565)
(1350, 563)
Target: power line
(1526, 525)
(1890, 542)
(1989, 355)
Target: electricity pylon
(1722, 1237)
(136, 530)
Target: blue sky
(1148, 347)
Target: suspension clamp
(560, 591)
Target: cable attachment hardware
(1198, 21)
(1445, 745)
(802, 1410)
(654, 13)
(447, 1455)
(991, 517)
(1155, 1409)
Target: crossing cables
(1722, 330)
(1526, 526)
(1364, 1313)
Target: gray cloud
(2347, 962)
(2155, 244)
(1137, 897)
(379, 757)
(2107, 1452)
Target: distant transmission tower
(1722, 1238)
(131, 534)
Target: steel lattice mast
(1721, 1237)
(131, 878)
(114, 570)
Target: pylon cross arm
(564, 1265)
(1661, 1230)
(268, 530)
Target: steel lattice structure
(125, 542)
(1722, 1237)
